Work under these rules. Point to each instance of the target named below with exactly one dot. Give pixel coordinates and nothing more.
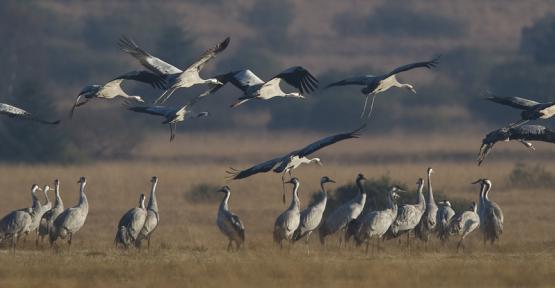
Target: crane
(522, 134)
(18, 222)
(445, 214)
(377, 84)
(531, 110)
(174, 77)
(48, 218)
(429, 220)
(72, 219)
(230, 224)
(288, 221)
(311, 216)
(130, 224)
(112, 88)
(152, 216)
(464, 223)
(18, 113)
(292, 160)
(255, 88)
(409, 215)
(340, 217)
(492, 215)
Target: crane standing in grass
(72, 219)
(445, 214)
(230, 224)
(48, 218)
(428, 222)
(17, 223)
(465, 223)
(311, 216)
(288, 221)
(131, 224)
(409, 215)
(152, 216)
(491, 214)
(340, 217)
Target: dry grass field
(188, 250)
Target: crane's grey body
(311, 216)
(377, 84)
(175, 77)
(491, 215)
(112, 89)
(522, 134)
(230, 224)
(288, 221)
(152, 216)
(445, 214)
(345, 213)
(465, 223)
(18, 222)
(531, 110)
(48, 218)
(15, 112)
(429, 220)
(130, 225)
(72, 219)
(409, 215)
(254, 88)
(374, 225)
(173, 115)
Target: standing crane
(18, 113)
(345, 213)
(131, 224)
(311, 216)
(48, 218)
(429, 220)
(255, 88)
(377, 84)
(152, 216)
(112, 89)
(173, 115)
(465, 223)
(445, 214)
(531, 110)
(288, 221)
(18, 222)
(45, 207)
(175, 77)
(72, 219)
(491, 216)
(290, 161)
(375, 224)
(409, 215)
(230, 224)
(522, 134)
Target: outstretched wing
(311, 148)
(143, 76)
(260, 168)
(14, 112)
(427, 64)
(150, 62)
(209, 55)
(515, 102)
(152, 110)
(299, 78)
(355, 80)
(242, 79)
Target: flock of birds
(424, 218)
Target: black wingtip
(357, 132)
(56, 122)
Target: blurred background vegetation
(51, 49)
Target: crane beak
(477, 181)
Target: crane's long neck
(324, 190)
(83, 202)
(142, 203)
(58, 203)
(421, 199)
(225, 202)
(362, 195)
(152, 203)
(46, 199)
(481, 195)
(295, 199)
(390, 203)
(430, 192)
(487, 188)
(36, 201)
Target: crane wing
(299, 78)
(143, 76)
(152, 110)
(355, 80)
(209, 55)
(242, 79)
(150, 62)
(14, 112)
(313, 147)
(426, 64)
(260, 168)
(515, 102)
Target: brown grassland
(188, 250)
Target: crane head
(294, 181)
(35, 187)
(82, 180)
(420, 182)
(154, 179)
(361, 177)
(225, 189)
(326, 179)
(56, 182)
(430, 171)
